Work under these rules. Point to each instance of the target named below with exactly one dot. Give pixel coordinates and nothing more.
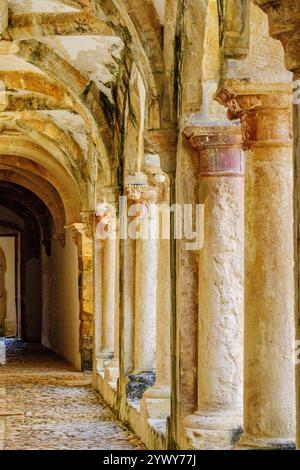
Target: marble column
(146, 224)
(218, 419)
(269, 406)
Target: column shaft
(157, 399)
(98, 294)
(145, 294)
(220, 342)
(269, 403)
(220, 291)
(146, 246)
(108, 293)
(112, 368)
(269, 288)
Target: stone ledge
(69, 379)
(153, 432)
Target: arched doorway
(39, 270)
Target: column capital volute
(106, 217)
(142, 194)
(265, 112)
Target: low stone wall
(153, 432)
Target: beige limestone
(145, 298)
(9, 286)
(108, 293)
(269, 283)
(87, 88)
(220, 314)
(269, 319)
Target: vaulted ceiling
(60, 62)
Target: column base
(10, 327)
(249, 442)
(212, 430)
(156, 402)
(111, 372)
(138, 384)
(103, 359)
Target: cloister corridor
(150, 224)
(46, 404)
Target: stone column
(108, 287)
(98, 296)
(112, 368)
(284, 24)
(108, 296)
(146, 225)
(218, 419)
(157, 399)
(269, 406)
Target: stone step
(72, 379)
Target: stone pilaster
(269, 402)
(218, 419)
(83, 234)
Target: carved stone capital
(142, 194)
(284, 24)
(106, 220)
(219, 148)
(266, 118)
(89, 219)
(78, 229)
(83, 232)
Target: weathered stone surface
(47, 405)
(138, 384)
(3, 17)
(95, 96)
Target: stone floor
(45, 404)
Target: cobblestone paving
(47, 416)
